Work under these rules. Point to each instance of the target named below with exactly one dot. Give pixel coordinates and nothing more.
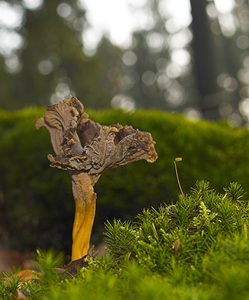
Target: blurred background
(188, 56)
(183, 56)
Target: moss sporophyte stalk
(85, 149)
(177, 159)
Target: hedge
(36, 204)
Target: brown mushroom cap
(83, 145)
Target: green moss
(36, 200)
(197, 248)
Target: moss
(36, 200)
(181, 234)
(197, 248)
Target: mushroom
(85, 149)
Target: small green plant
(47, 263)
(235, 191)
(8, 287)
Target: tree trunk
(204, 61)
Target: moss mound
(36, 201)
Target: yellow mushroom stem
(85, 205)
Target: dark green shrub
(36, 201)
